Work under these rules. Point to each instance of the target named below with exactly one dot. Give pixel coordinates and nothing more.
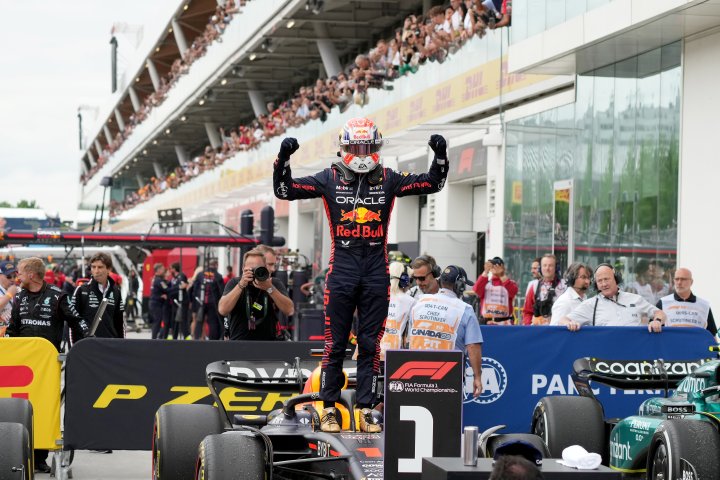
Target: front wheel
(564, 421)
(231, 456)
(684, 449)
(177, 432)
(15, 452)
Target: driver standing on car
(250, 301)
(612, 307)
(359, 194)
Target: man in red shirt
(496, 293)
(542, 293)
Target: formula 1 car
(671, 437)
(208, 442)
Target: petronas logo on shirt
(47, 301)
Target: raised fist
(438, 145)
(288, 146)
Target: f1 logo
(16, 376)
(434, 370)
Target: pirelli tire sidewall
(236, 455)
(15, 452)
(177, 433)
(562, 421)
(684, 449)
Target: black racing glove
(439, 146)
(288, 146)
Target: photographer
(249, 301)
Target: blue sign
(522, 364)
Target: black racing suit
(157, 307)
(180, 306)
(358, 276)
(86, 301)
(43, 314)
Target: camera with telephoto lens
(261, 273)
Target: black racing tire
(18, 410)
(177, 432)
(231, 456)
(495, 440)
(686, 449)
(564, 421)
(15, 452)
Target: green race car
(672, 437)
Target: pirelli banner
(29, 368)
(115, 386)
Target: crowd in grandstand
(427, 38)
(213, 29)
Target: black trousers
(355, 280)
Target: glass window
(531, 17)
(619, 143)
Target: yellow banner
(517, 192)
(562, 195)
(31, 370)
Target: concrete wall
(698, 222)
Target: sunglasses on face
(419, 279)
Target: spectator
(248, 302)
(534, 273)
(42, 310)
(642, 285)
(228, 274)
(612, 307)
(683, 308)
(425, 273)
(541, 294)
(577, 279)
(8, 290)
(659, 286)
(444, 312)
(496, 293)
(515, 467)
(88, 296)
(399, 309)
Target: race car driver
(358, 193)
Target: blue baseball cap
(7, 268)
(520, 448)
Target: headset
(572, 273)
(404, 278)
(616, 274)
(434, 268)
(460, 282)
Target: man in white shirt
(577, 278)
(683, 308)
(611, 307)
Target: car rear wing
(632, 374)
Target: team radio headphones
(616, 275)
(434, 269)
(404, 278)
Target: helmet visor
(362, 149)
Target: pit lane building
(586, 128)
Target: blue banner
(522, 364)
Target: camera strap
(255, 312)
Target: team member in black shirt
(88, 296)
(249, 301)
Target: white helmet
(360, 142)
